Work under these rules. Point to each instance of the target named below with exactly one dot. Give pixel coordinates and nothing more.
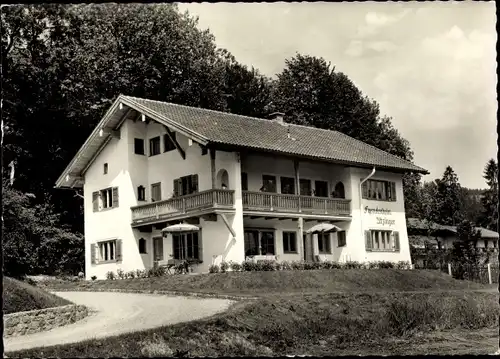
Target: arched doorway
(222, 179)
(339, 190)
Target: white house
(252, 186)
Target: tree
(489, 214)
(65, 64)
(448, 200)
(310, 92)
(465, 254)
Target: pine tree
(489, 214)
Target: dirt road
(118, 313)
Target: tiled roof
(254, 133)
(415, 223)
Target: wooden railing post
(271, 201)
(325, 205)
(156, 210)
(183, 205)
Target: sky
(430, 65)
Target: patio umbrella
(323, 228)
(181, 227)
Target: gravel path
(118, 313)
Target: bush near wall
(34, 321)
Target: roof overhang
(121, 110)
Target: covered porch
(289, 238)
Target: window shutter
(194, 182)
(118, 250)
(393, 191)
(364, 190)
(177, 186)
(93, 259)
(396, 240)
(115, 197)
(95, 201)
(368, 241)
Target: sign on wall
(381, 220)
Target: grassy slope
(307, 324)
(286, 282)
(20, 296)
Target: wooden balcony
(178, 206)
(277, 202)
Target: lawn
(312, 324)
(19, 296)
(284, 282)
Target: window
(305, 187)
(377, 240)
(138, 146)
(141, 193)
(187, 246)
(107, 251)
(339, 191)
(105, 168)
(142, 246)
(321, 189)
(156, 192)
(324, 243)
(157, 249)
(268, 184)
(244, 181)
(259, 242)
(379, 190)
(289, 242)
(169, 144)
(267, 242)
(185, 185)
(104, 199)
(287, 185)
(341, 239)
(154, 146)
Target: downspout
(360, 197)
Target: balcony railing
(214, 198)
(277, 202)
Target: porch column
(297, 181)
(300, 244)
(212, 167)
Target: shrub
(308, 266)
(236, 267)
(120, 273)
(81, 275)
(277, 266)
(93, 277)
(403, 265)
(373, 265)
(140, 273)
(266, 265)
(286, 265)
(130, 275)
(224, 267)
(110, 275)
(249, 266)
(353, 265)
(386, 264)
(298, 265)
(214, 268)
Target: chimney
(278, 117)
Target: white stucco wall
(362, 220)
